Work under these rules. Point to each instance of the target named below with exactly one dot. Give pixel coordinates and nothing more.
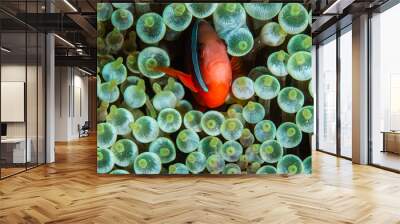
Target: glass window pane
(327, 96)
(346, 94)
(385, 89)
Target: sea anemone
(289, 135)
(253, 112)
(307, 164)
(169, 120)
(184, 106)
(114, 40)
(177, 17)
(299, 42)
(228, 17)
(231, 168)
(122, 5)
(192, 120)
(215, 164)
(145, 129)
(132, 62)
(267, 87)
(267, 169)
(210, 145)
(243, 88)
(231, 151)
(122, 19)
(106, 135)
(105, 160)
(175, 87)
(264, 130)
(196, 162)
(211, 122)
(253, 154)
(272, 34)
(150, 58)
(104, 11)
(305, 119)
(277, 63)
(290, 99)
(293, 18)
(187, 141)
(178, 168)
(271, 151)
(135, 95)
(231, 129)
(201, 10)
(240, 42)
(290, 164)
(147, 163)
(108, 91)
(164, 148)
(299, 65)
(163, 98)
(150, 28)
(125, 152)
(119, 172)
(120, 118)
(247, 138)
(115, 70)
(262, 11)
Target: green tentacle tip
(100, 156)
(290, 132)
(307, 114)
(164, 152)
(119, 147)
(142, 163)
(295, 10)
(292, 94)
(269, 149)
(211, 124)
(214, 142)
(230, 151)
(157, 88)
(266, 127)
(117, 63)
(300, 59)
(149, 21)
(230, 7)
(191, 158)
(281, 55)
(292, 169)
(179, 9)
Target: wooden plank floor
(70, 191)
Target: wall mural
(204, 88)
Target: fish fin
(186, 79)
(237, 67)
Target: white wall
(70, 83)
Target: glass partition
(385, 89)
(327, 96)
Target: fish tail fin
(237, 67)
(186, 79)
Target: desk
(391, 141)
(17, 147)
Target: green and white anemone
(192, 120)
(215, 164)
(177, 17)
(187, 141)
(272, 34)
(289, 135)
(108, 92)
(265, 130)
(122, 5)
(305, 119)
(253, 112)
(147, 163)
(277, 63)
(119, 172)
(196, 162)
(150, 28)
(299, 42)
(145, 129)
(239, 42)
(169, 120)
(104, 11)
(228, 17)
(163, 98)
(247, 138)
(120, 118)
(243, 88)
(114, 40)
(150, 58)
(253, 154)
(135, 95)
(105, 160)
(175, 87)
(262, 11)
(106, 135)
(231, 151)
(299, 66)
(201, 10)
(122, 19)
(267, 87)
(231, 168)
(211, 122)
(290, 164)
(290, 99)
(125, 152)
(271, 151)
(184, 106)
(164, 148)
(115, 70)
(210, 145)
(307, 164)
(267, 169)
(178, 168)
(132, 62)
(293, 18)
(231, 129)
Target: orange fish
(210, 77)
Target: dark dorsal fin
(195, 57)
